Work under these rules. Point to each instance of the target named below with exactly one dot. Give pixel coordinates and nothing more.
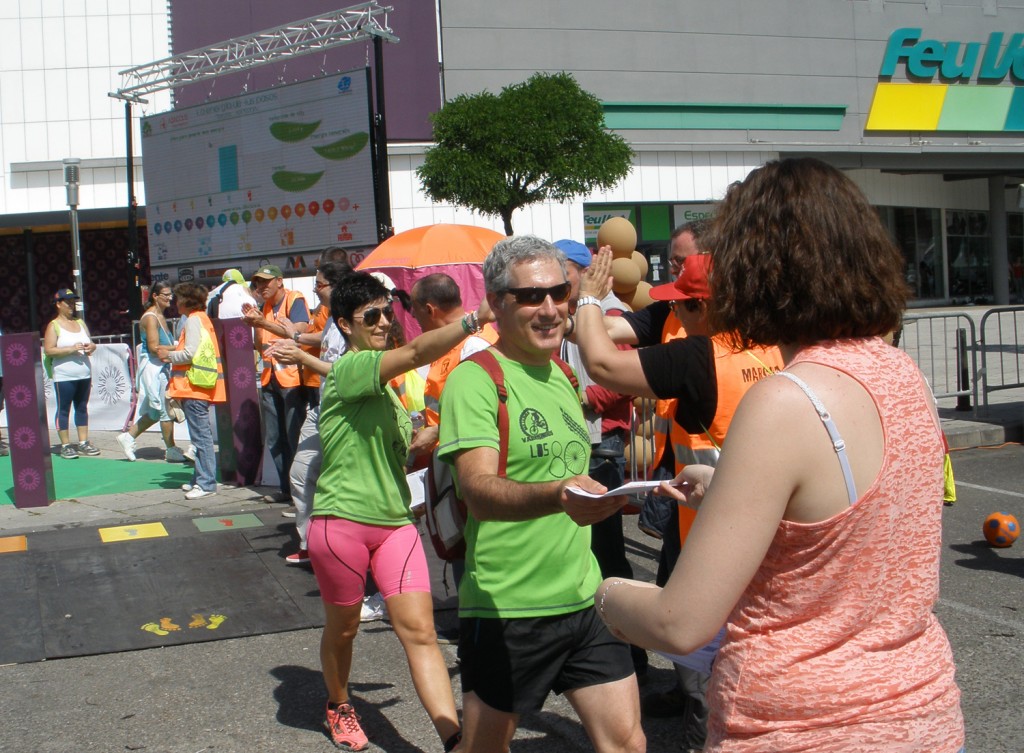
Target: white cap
(384, 280)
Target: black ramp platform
(21, 633)
(163, 591)
(71, 594)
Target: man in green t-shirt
(527, 619)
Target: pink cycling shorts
(342, 550)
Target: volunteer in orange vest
(705, 375)
(284, 396)
(437, 301)
(197, 380)
(659, 515)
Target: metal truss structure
(356, 23)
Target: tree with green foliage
(541, 140)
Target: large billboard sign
(967, 96)
(267, 177)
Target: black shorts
(512, 664)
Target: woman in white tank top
(68, 346)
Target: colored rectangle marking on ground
(128, 533)
(13, 544)
(906, 107)
(227, 522)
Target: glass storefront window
(918, 235)
(970, 275)
(1015, 255)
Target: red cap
(691, 283)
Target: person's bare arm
(618, 370)
(305, 337)
(424, 440)
(151, 324)
(492, 497)
(254, 315)
(288, 352)
(738, 519)
(429, 346)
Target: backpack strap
(567, 370)
(213, 309)
(486, 360)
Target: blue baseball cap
(575, 251)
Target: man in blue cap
(607, 416)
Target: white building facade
(703, 92)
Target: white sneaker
(174, 455)
(198, 493)
(190, 454)
(373, 609)
(187, 487)
(127, 442)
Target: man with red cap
(701, 371)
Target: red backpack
(445, 513)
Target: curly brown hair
(190, 296)
(800, 256)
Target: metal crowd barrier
(944, 347)
(1002, 349)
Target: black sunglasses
(373, 314)
(691, 304)
(536, 296)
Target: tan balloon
(640, 451)
(625, 276)
(641, 261)
(644, 407)
(619, 233)
(642, 295)
(646, 428)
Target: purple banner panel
(29, 438)
(239, 435)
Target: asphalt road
(264, 693)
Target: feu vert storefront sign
(956, 86)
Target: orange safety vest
(321, 315)
(180, 386)
(288, 375)
(736, 373)
(439, 371)
(665, 410)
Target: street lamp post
(71, 165)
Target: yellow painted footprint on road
(167, 624)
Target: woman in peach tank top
(818, 535)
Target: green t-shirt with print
(365, 434)
(530, 568)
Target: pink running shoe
(342, 724)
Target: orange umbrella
(432, 246)
(456, 250)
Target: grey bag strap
(837, 441)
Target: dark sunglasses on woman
(373, 314)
